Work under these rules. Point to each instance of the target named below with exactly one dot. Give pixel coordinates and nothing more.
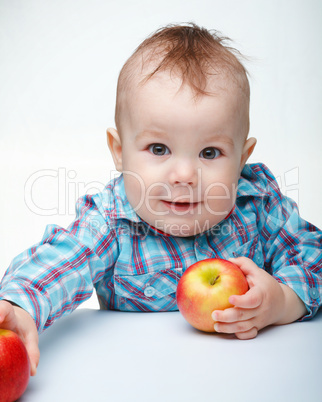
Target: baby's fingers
(250, 334)
(18, 320)
(234, 327)
(251, 299)
(33, 353)
(233, 314)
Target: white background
(59, 62)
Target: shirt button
(149, 291)
(258, 259)
(314, 293)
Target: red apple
(206, 286)
(14, 366)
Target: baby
(185, 194)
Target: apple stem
(215, 280)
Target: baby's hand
(18, 320)
(264, 304)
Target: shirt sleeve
(292, 247)
(54, 276)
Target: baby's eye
(159, 149)
(210, 153)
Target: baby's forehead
(164, 94)
(217, 84)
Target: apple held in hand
(206, 286)
(14, 366)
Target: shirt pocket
(153, 291)
(252, 250)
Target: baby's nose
(183, 172)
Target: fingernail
(216, 327)
(214, 316)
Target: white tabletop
(116, 356)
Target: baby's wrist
(293, 308)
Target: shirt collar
(252, 183)
(122, 207)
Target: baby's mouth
(180, 206)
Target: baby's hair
(191, 52)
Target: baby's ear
(115, 146)
(247, 151)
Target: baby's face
(181, 157)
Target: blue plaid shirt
(134, 267)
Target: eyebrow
(163, 135)
(151, 134)
(220, 138)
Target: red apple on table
(206, 286)
(14, 366)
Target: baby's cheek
(134, 189)
(219, 199)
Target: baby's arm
(18, 320)
(288, 285)
(54, 276)
(267, 302)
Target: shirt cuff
(308, 293)
(30, 300)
